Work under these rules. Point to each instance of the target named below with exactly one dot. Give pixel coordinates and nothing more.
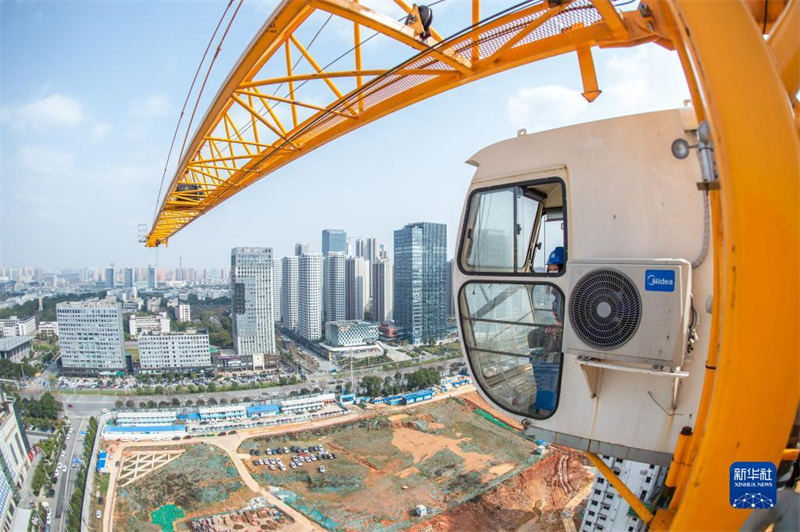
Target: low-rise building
(146, 417)
(15, 348)
(389, 332)
(15, 326)
(153, 304)
(222, 412)
(308, 403)
(350, 333)
(174, 351)
(149, 324)
(48, 328)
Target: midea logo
(653, 280)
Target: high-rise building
(174, 351)
(151, 277)
(356, 287)
(14, 452)
(110, 277)
(128, 277)
(183, 312)
(334, 240)
(289, 295)
(90, 336)
(420, 278)
(451, 309)
(359, 248)
(371, 249)
(251, 299)
(334, 305)
(606, 509)
(309, 296)
(277, 280)
(382, 291)
(301, 248)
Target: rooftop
(12, 342)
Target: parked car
(97, 514)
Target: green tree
(129, 404)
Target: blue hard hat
(556, 256)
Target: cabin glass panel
(513, 334)
(513, 229)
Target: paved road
(66, 481)
(84, 405)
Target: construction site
(449, 464)
(439, 466)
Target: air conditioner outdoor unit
(629, 310)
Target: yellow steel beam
(763, 143)
(782, 43)
(259, 143)
(635, 504)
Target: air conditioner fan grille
(605, 309)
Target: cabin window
(514, 229)
(513, 335)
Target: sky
(90, 93)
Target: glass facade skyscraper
(334, 240)
(420, 281)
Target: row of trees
(49, 448)
(175, 403)
(42, 412)
(374, 386)
(76, 502)
(14, 370)
(29, 308)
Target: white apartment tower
(333, 287)
(606, 510)
(277, 281)
(382, 291)
(251, 300)
(356, 287)
(300, 249)
(289, 285)
(90, 335)
(184, 312)
(309, 296)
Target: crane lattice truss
(265, 115)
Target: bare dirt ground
(532, 500)
(437, 454)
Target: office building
(181, 351)
(289, 304)
(309, 297)
(420, 278)
(15, 348)
(606, 510)
(333, 287)
(301, 248)
(382, 291)
(158, 323)
(110, 277)
(90, 336)
(350, 333)
(252, 298)
(48, 329)
(15, 326)
(334, 241)
(451, 309)
(356, 287)
(151, 277)
(183, 312)
(15, 460)
(128, 277)
(277, 281)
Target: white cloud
(45, 160)
(99, 130)
(54, 111)
(545, 107)
(136, 132)
(646, 79)
(151, 106)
